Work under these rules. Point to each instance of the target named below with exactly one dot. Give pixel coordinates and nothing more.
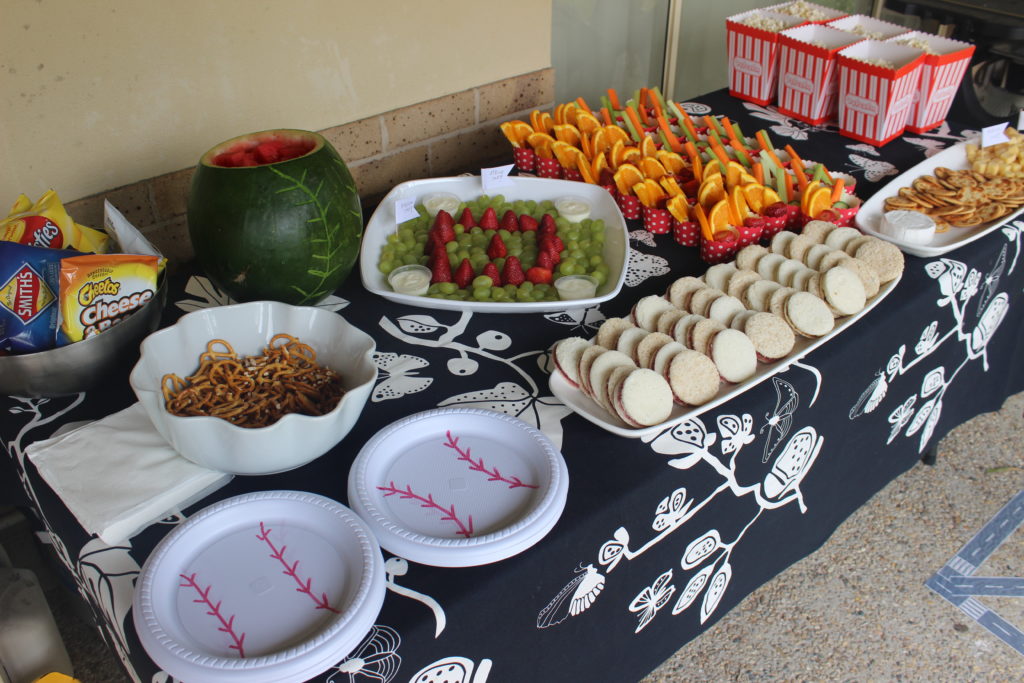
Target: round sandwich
(885, 257)
(646, 311)
(668, 319)
(813, 256)
(701, 334)
(800, 278)
(679, 291)
(601, 368)
(643, 398)
(868, 276)
(629, 339)
(587, 359)
(702, 299)
(693, 378)
(739, 282)
(759, 294)
(609, 331)
(768, 266)
(843, 291)
(780, 242)
(748, 256)
(566, 354)
(787, 270)
(798, 246)
(840, 237)
(771, 336)
(733, 354)
(649, 346)
(808, 315)
(681, 331)
(664, 356)
(724, 308)
(818, 231)
(834, 258)
(718, 275)
(777, 301)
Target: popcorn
(884, 63)
(763, 22)
(804, 10)
(919, 43)
(861, 30)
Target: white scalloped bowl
(292, 441)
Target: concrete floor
(856, 610)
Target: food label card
(993, 135)
(405, 209)
(496, 177)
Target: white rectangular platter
(467, 188)
(587, 408)
(869, 218)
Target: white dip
(441, 200)
(413, 280)
(573, 209)
(576, 287)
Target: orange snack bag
(47, 224)
(98, 291)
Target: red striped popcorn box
(808, 11)
(524, 158)
(868, 27)
(808, 76)
(877, 83)
(686, 233)
(753, 43)
(945, 63)
(657, 221)
(549, 168)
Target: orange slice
(672, 161)
(649, 192)
(678, 207)
(747, 179)
(541, 143)
(547, 122)
(599, 164)
(718, 217)
(733, 171)
(535, 121)
(753, 193)
(737, 205)
(599, 142)
(805, 198)
(614, 133)
(655, 190)
(587, 123)
(672, 188)
(617, 155)
(584, 168)
(516, 132)
(633, 155)
(652, 168)
(641, 192)
(711, 191)
(820, 200)
(559, 114)
(626, 176)
(769, 197)
(565, 153)
(567, 133)
(586, 146)
(713, 167)
(569, 114)
(648, 148)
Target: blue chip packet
(29, 289)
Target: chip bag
(29, 286)
(47, 224)
(98, 291)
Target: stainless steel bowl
(79, 366)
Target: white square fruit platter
(468, 188)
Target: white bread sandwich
(733, 354)
(566, 355)
(643, 398)
(693, 378)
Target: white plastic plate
(467, 188)
(587, 408)
(869, 218)
(458, 487)
(271, 586)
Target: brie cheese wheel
(911, 227)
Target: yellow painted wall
(100, 93)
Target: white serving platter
(587, 408)
(458, 487)
(603, 206)
(271, 586)
(869, 218)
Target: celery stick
(661, 100)
(607, 104)
(664, 139)
(780, 186)
(739, 133)
(767, 140)
(717, 126)
(819, 173)
(633, 132)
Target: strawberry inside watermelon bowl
(275, 215)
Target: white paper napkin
(117, 475)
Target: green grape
(529, 236)
(385, 267)
(596, 260)
(505, 235)
(451, 247)
(499, 263)
(537, 295)
(600, 276)
(436, 296)
(562, 224)
(510, 290)
(476, 230)
(578, 255)
(566, 268)
(597, 226)
(481, 281)
(489, 234)
(460, 294)
(526, 286)
(586, 223)
(459, 228)
(519, 206)
(523, 294)
(435, 288)
(570, 262)
(447, 287)
(498, 293)
(477, 250)
(516, 251)
(464, 240)
(393, 238)
(423, 259)
(462, 253)
(547, 205)
(409, 259)
(497, 200)
(479, 262)
(482, 293)
(573, 234)
(531, 206)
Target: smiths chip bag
(29, 290)
(47, 224)
(99, 291)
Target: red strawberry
(466, 219)
(527, 223)
(544, 260)
(510, 221)
(464, 274)
(539, 276)
(440, 268)
(443, 220)
(512, 272)
(497, 248)
(776, 210)
(491, 271)
(489, 221)
(552, 244)
(547, 225)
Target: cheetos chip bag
(47, 224)
(98, 291)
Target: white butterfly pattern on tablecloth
(583, 321)
(643, 266)
(208, 295)
(399, 375)
(873, 170)
(543, 412)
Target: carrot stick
(695, 160)
(758, 173)
(673, 141)
(606, 117)
(789, 188)
(691, 130)
(741, 154)
(641, 107)
(719, 152)
(635, 120)
(797, 161)
(583, 105)
(798, 171)
(613, 97)
(729, 132)
(837, 190)
(702, 219)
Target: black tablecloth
(659, 537)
